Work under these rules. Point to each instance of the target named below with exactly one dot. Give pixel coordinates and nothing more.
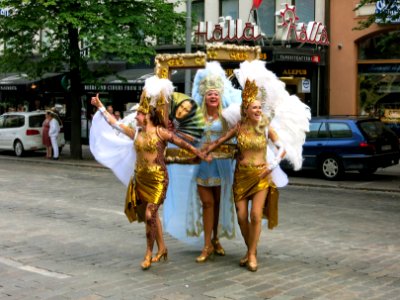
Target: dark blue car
(338, 144)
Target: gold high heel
(146, 263)
(218, 248)
(207, 252)
(160, 255)
(243, 261)
(252, 266)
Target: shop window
(305, 10)
(266, 17)
(198, 11)
(383, 46)
(229, 8)
(379, 83)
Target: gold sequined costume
(150, 182)
(247, 181)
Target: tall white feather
(155, 86)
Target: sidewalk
(384, 180)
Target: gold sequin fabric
(249, 139)
(148, 186)
(247, 182)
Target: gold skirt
(247, 183)
(149, 185)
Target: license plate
(386, 147)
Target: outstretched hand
(95, 101)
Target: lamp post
(188, 48)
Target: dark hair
(155, 117)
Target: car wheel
(331, 168)
(18, 148)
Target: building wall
(343, 85)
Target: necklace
(211, 118)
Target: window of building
(379, 77)
(198, 11)
(305, 10)
(382, 46)
(230, 8)
(266, 17)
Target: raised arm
(129, 131)
(226, 137)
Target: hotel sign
(290, 30)
(227, 30)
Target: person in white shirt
(53, 134)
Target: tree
(48, 36)
(388, 10)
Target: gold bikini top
(147, 143)
(250, 140)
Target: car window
(36, 121)
(372, 129)
(2, 121)
(14, 121)
(317, 130)
(340, 130)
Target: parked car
(338, 144)
(22, 132)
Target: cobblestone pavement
(63, 236)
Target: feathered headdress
(213, 77)
(156, 93)
(289, 115)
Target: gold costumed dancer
(255, 163)
(148, 184)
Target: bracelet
(102, 109)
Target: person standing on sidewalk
(147, 186)
(54, 130)
(45, 134)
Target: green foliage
(108, 29)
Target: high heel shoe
(252, 265)
(146, 263)
(218, 248)
(205, 254)
(243, 261)
(160, 255)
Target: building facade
(364, 77)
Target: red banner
(256, 4)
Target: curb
(90, 163)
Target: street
(63, 235)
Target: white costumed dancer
(199, 201)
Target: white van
(22, 132)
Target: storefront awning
(22, 78)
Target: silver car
(22, 132)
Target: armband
(117, 127)
(273, 164)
